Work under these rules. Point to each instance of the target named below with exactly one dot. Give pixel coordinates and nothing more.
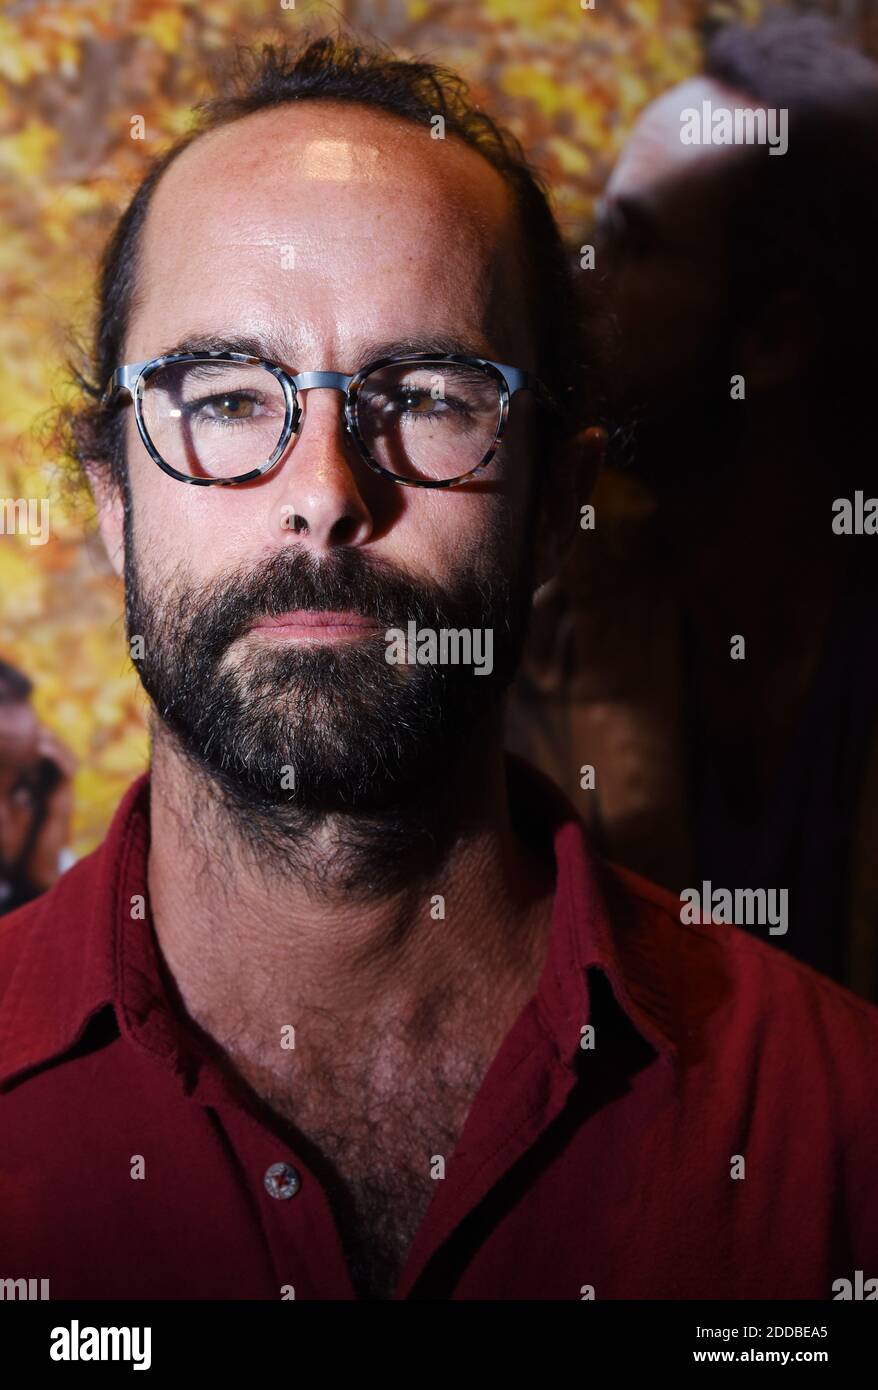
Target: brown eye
(232, 407)
(416, 403)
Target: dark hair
(15, 686)
(809, 219)
(332, 69)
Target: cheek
(434, 534)
(174, 525)
(207, 532)
(522, 451)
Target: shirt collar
(88, 943)
(61, 948)
(604, 921)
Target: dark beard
(292, 735)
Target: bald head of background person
(718, 259)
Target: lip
(305, 623)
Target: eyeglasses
(219, 419)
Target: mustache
(296, 580)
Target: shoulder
(748, 997)
(64, 936)
(51, 968)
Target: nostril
(344, 531)
(292, 521)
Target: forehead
(337, 216)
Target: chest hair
(378, 1113)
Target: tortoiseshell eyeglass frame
(132, 378)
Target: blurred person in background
(36, 796)
(714, 261)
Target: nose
(320, 492)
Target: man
(345, 1006)
(36, 796)
(733, 318)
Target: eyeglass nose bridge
(307, 381)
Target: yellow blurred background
(568, 81)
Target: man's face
(328, 232)
(659, 321)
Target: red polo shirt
(610, 1167)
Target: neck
(262, 931)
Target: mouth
(305, 625)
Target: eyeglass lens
(426, 421)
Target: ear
(778, 344)
(574, 472)
(110, 509)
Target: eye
(230, 407)
(413, 401)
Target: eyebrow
(271, 348)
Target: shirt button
(282, 1180)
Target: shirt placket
(526, 1089)
(293, 1209)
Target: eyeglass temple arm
(123, 379)
(517, 379)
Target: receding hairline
(338, 111)
(511, 252)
